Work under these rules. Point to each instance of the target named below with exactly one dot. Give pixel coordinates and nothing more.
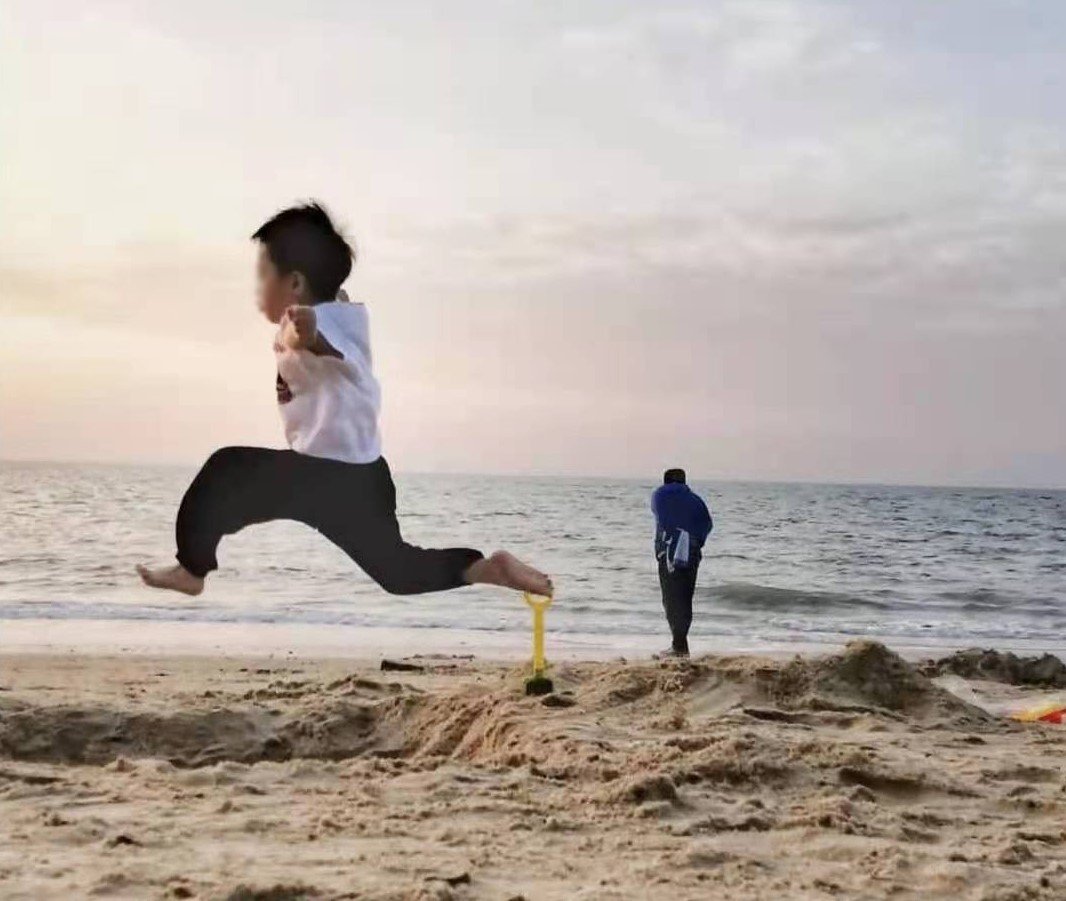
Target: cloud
(750, 38)
(988, 250)
(179, 289)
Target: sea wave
(766, 597)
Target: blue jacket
(678, 509)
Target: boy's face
(275, 292)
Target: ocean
(787, 566)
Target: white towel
(680, 556)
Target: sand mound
(334, 731)
(1047, 671)
(489, 727)
(494, 725)
(865, 678)
(64, 734)
(866, 675)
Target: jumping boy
(333, 478)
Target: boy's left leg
(236, 487)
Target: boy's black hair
(304, 239)
(674, 475)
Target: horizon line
(829, 483)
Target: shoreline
(361, 643)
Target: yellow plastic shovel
(538, 683)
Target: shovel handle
(538, 604)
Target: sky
(770, 240)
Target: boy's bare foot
(507, 570)
(176, 578)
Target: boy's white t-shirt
(330, 405)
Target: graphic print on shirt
(283, 390)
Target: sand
(844, 776)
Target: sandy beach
(847, 775)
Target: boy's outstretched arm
(299, 331)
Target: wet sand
(849, 775)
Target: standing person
(682, 524)
(333, 477)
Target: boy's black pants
(352, 504)
(678, 587)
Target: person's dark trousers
(678, 587)
(351, 504)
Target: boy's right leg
(402, 568)
(361, 520)
(504, 569)
(236, 487)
